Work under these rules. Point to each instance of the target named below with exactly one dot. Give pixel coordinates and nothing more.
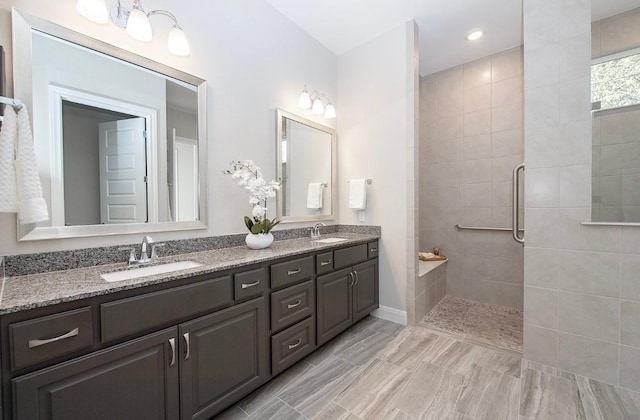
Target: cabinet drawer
(139, 313)
(372, 249)
(289, 272)
(292, 304)
(49, 337)
(349, 256)
(324, 263)
(249, 284)
(292, 344)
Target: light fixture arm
(167, 14)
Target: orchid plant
(249, 176)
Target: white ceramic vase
(259, 240)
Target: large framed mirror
(120, 139)
(615, 96)
(306, 169)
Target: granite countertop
(38, 290)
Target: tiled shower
(576, 282)
(471, 138)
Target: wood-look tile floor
(473, 321)
(381, 370)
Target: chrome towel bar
(494, 229)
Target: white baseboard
(391, 314)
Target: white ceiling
(341, 25)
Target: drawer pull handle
(373, 250)
(255, 283)
(186, 345)
(293, 305)
(323, 263)
(292, 272)
(172, 344)
(357, 277)
(296, 344)
(38, 343)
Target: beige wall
(471, 138)
(581, 299)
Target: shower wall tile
(540, 344)
(586, 356)
(473, 187)
(541, 307)
(590, 316)
(629, 325)
(630, 367)
(630, 286)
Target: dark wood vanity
(184, 349)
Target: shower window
(616, 82)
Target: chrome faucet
(315, 230)
(147, 255)
(145, 258)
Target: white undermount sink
(149, 271)
(329, 240)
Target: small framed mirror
(306, 169)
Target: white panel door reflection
(123, 187)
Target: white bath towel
(358, 194)
(314, 196)
(31, 206)
(8, 187)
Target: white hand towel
(31, 206)
(358, 194)
(8, 188)
(314, 196)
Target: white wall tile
(476, 123)
(575, 186)
(541, 345)
(630, 323)
(507, 143)
(575, 100)
(477, 98)
(506, 117)
(541, 148)
(477, 147)
(477, 195)
(477, 171)
(542, 67)
(507, 92)
(630, 277)
(585, 356)
(630, 367)
(590, 316)
(507, 65)
(542, 186)
(543, 106)
(477, 73)
(541, 307)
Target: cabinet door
(223, 357)
(135, 380)
(365, 289)
(333, 304)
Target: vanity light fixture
(136, 22)
(314, 100)
(475, 35)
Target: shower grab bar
(516, 200)
(495, 229)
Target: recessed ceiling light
(474, 35)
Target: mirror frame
(23, 25)
(281, 113)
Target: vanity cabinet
(186, 349)
(347, 295)
(223, 357)
(134, 380)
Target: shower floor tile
(477, 322)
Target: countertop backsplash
(26, 264)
